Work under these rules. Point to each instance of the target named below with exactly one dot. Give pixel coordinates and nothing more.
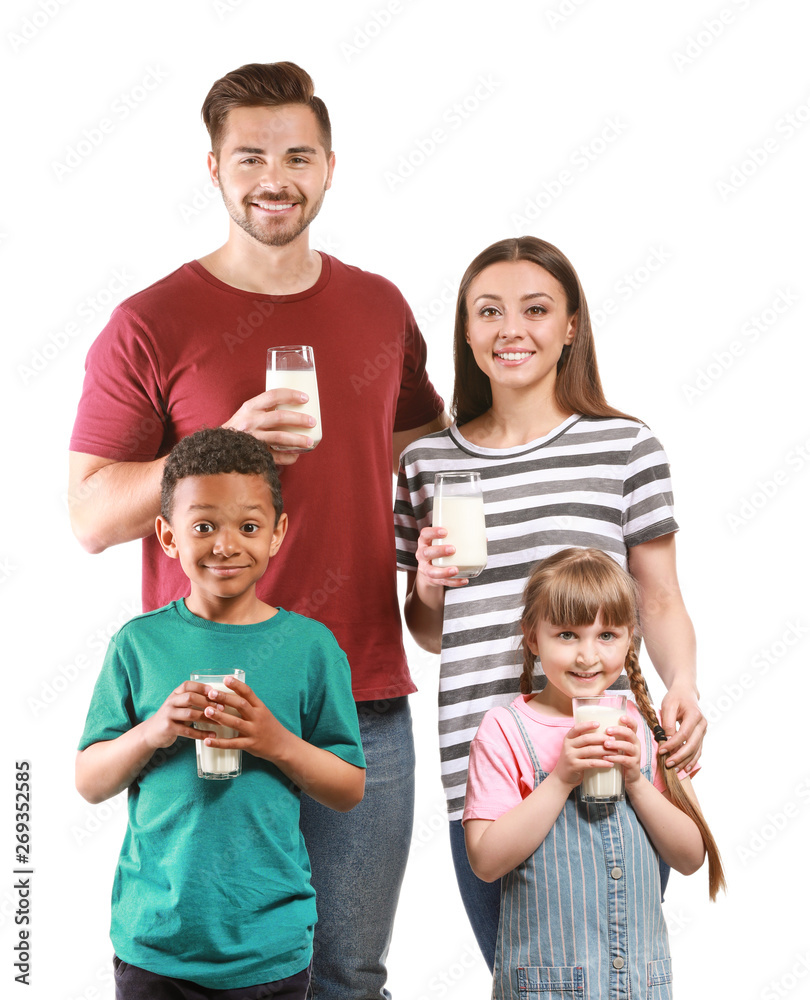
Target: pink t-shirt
(501, 774)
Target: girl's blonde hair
(571, 588)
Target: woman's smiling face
(518, 324)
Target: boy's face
(224, 532)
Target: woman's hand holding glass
(429, 547)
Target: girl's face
(518, 324)
(580, 661)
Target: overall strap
(652, 750)
(538, 771)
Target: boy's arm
(320, 773)
(106, 768)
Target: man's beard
(274, 233)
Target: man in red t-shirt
(189, 351)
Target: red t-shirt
(186, 352)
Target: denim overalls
(582, 916)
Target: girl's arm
(106, 768)
(323, 775)
(424, 604)
(495, 847)
(673, 834)
(670, 640)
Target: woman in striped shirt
(581, 898)
(559, 468)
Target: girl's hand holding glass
(583, 749)
(624, 748)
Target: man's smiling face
(273, 171)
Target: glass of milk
(293, 367)
(458, 506)
(602, 785)
(213, 762)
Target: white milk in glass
(300, 381)
(463, 517)
(601, 785)
(212, 761)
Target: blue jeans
(358, 860)
(482, 900)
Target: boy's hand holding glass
(176, 716)
(259, 731)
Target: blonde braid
(672, 782)
(527, 677)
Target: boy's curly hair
(213, 451)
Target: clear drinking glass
(458, 506)
(293, 367)
(602, 785)
(213, 762)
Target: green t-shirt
(213, 880)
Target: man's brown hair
(262, 85)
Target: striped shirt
(600, 482)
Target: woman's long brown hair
(571, 588)
(578, 388)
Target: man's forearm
(112, 502)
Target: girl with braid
(581, 907)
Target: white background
(684, 209)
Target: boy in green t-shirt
(212, 893)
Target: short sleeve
(111, 712)
(406, 527)
(413, 498)
(647, 509)
(121, 413)
(330, 714)
(494, 780)
(418, 401)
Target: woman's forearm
(424, 615)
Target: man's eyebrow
(258, 151)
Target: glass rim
(455, 475)
(591, 698)
(217, 678)
(291, 347)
